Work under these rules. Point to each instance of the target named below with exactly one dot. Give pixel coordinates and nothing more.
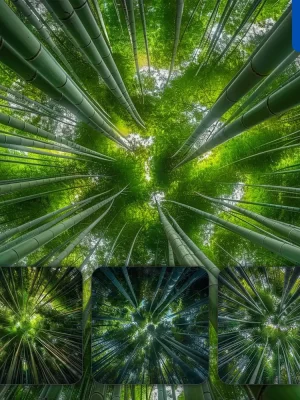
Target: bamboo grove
(264, 333)
(41, 326)
(138, 133)
(137, 316)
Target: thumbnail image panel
(40, 325)
(259, 329)
(150, 325)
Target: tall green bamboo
(57, 261)
(254, 203)
(30, 163)
(245, 22)
(89, 255)
(292, 233)
(266, 82)
(281, 148)
(19, 229)
(285, 250)
(273, 187)
(163, 303)
(124, 268)
(12, 187)
(130, 19)
(111, 276)
(29, 158)
(19, 141)
(26, 99)
(179, 12)
(83, 11)
(23, 107)
(41, 152)
(191, 18)
(260, 65)
(179, 248)
(229, 7)
(67, 15)
(25, 43)
(19, 65)
(189, 254)
(174, 277)
(192, 392)
(13, 122)
(114, 245)
(171, 260)
(206, 263)
(37, 230)
(23, 7)
(212, 270)
(101, 20)
(208, 29)
(161, 277)
(34, 196)
(279, 101)
(143, 18)
(21, 250)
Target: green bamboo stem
(25, 9)
(18, 141)
(25, 99)
(57, 261)
(16, 123)
(285, 250)
(260, 65)
(19, 65)
(179, 12)
(21, 250)
(179, 248)
(291, 232)
(208, 265)
(83, 11)
(21, 228)
(25, 43)
(12, 187)
(265, 83)
(279, 101)
(143, 18)
(130, 19)
(66, 14)
(101, 20)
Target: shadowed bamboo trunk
(265, 83)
